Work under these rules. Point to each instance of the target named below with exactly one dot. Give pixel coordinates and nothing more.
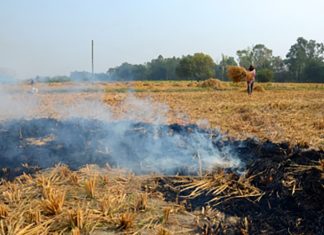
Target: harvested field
(171, 158)
(282, 112)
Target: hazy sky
(53, 37)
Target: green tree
(265, 75)
(123, 72)
(220, 68)
(260, 56)
(198, 67)
(162, 68)
(278, 64)
(302, 54)
(268, 67)
(314, 72)
(245, 57)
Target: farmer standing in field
(250, 78)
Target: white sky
(53, 37)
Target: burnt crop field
(165, 158)
(270, 186)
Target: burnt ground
(290, 177)
(140, 147)
(291, 180)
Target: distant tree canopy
(157, 69)
(191, 67)
(259, 56)
(262, 59)
(162, 68)
(197, 67)
(304, 62)
(265, 75)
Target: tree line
(304, 62)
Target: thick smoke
(140, 141)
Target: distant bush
(58, 79)
(47, 79)
(264, 75)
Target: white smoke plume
(16, 103)
(141, 141)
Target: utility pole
(92, 60)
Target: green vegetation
(303, 63)
(197, 67)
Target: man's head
(251, 68)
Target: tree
(127, 72)
(220, 69)
(198, 67)
(157, 69)
(280, 71)
(278, 64)
(314, 72)
(265, 75)
(268, 67)
(259, 56)
(123, 72)
(245, 57)
(302, 54)
(162, 68)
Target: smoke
(140, 147)
(17, 103)
(88, 132)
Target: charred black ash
(290, 179)
(140, 147)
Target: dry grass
(259, 88)
(126, 221)
(213, 83)
(99, 201)
(90, 187)
(3, 211)
(278, 112)
(53, 204)
(284, 112)
(76, 218)
(221, 186)
(236, 73)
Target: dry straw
(53, 204)
(222, 187)
(3, 211)
(212, 83)
(126, 221)
(237, 73)
(90, 187)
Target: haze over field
(53, 37)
